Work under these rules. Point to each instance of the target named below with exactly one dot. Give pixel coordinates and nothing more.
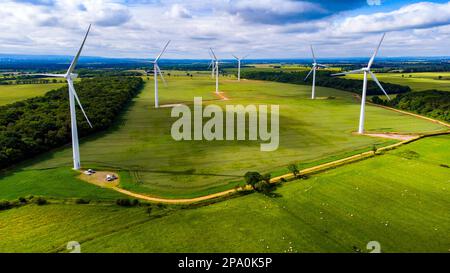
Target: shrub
(293, 169)
(40, 201)
(251, 178)
(82, 201)
(22, 200)
(124, 202)
(5, 205)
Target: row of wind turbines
(70, 76)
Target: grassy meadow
(419, 81)
(149, 161)
(400, 199)
(13, 93)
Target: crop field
(400, 199)
(417, 81)
(149, 161)
(13, 93)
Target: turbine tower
(70, 76)
(157, 71)
(216, 68)
(366, 70)
(239, 65)
(315, 65)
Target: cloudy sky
(263, 28)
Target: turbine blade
(379, 84)
(245, 57)
(348, 72)
(75, 59)
(376, 51)
(162, 52)
(160, 74)
(235, 57)
(308, 74)
(214, 55)
(72, 88)
(312, 51)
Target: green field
(13, 93)
(400, 199)
(151, 162)
(417, 81)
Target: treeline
(432, 103)
(323, 78)
(39, 124)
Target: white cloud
(178, 11)
(420, 15)
(140, 30)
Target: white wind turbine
(366, 71)
(212, 65)
(315, 65)
(216, 68)
(157, 71)
(239, 65)
(70, 76)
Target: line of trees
(39, 124)
(323, 78)
(432, 103)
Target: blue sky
(262, 28)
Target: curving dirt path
(222, 96)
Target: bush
(294, 169)
(124, 202)
(22, 200)
(251, 178)
(40, 201)
(82, 201)
(5, 205)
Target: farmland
(13, 93)
(400, 199)
(417, 81)
(149, 161)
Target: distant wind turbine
(239, 65)
(366, 71)
(216, 68)
(70, 76)
(157, 71)
(315, 65)
(212, 64)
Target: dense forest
(323, 78)
(39, 124)
(432, 103)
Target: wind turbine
(157, 71)
(366, 71)
(216, 68)
(212, 65)
(239, 65)
(70, 76)
(315, 65)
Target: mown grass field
(140, 146)
(400, 199)
(13, 93)
(417, 81)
